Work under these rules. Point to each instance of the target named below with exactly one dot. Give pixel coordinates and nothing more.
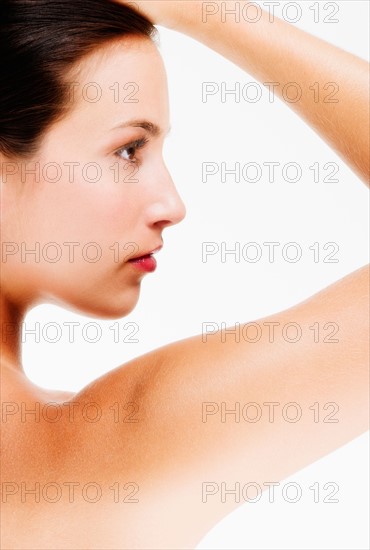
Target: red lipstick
(145, 263)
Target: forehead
(124, 79)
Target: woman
(139, 483)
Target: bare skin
(171, 450)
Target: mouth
(146, 262)
(146, 254)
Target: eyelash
(137, 144)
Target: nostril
(163, 223)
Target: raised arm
(249, 406)
(253, 405)
(334, 83)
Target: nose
(167, 207)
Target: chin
(113, 313)
(114, 310)
(109, 307)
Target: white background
(184, 292)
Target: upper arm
(293, 402)
(318, 354)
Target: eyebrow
(153, 129)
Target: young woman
(75, 483)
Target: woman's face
(98, 192)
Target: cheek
(82, 210)
(90, 203)
(99, 230)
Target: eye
(128, 152)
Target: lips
(146, 254)
(146, 263)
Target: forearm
(277, 52)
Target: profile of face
(97, 192)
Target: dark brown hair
(40, 41)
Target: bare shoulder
(161, 395)
(163, 427)
(156, 404)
